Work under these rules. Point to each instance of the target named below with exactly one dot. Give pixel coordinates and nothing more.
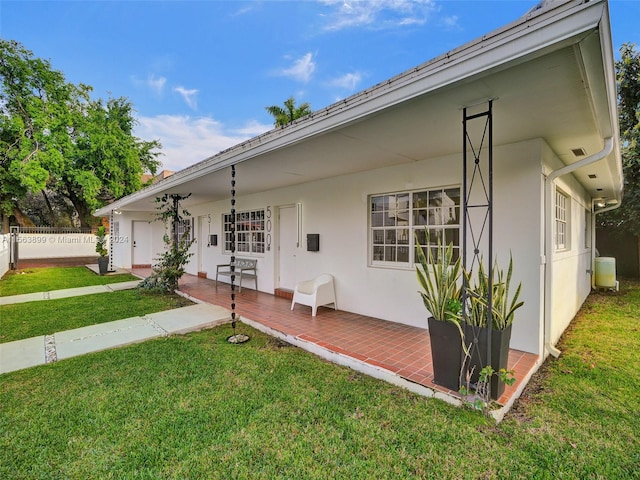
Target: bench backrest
(246, 262)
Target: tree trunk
(84, 213)
(22, 219)
(52, 215)
(5, 223)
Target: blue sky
(200, 73)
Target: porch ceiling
(551, 94)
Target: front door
(141, 244)
(287, 246)
(204, 228)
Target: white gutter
(607, 209)
(549, 198)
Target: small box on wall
(213, 240)
(313, 242)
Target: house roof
(551, 74)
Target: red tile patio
(399, 349)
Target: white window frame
(587, 228)
(562, 223)
(250, 232)
(186, 224)
(396, 217)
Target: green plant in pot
(440, 278)
(101, 250)
(476, 325)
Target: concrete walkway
(71, 343)
(68, 292)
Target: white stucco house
(367, 172)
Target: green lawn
(31, 280)
(25, 320)
(195, 406)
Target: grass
(25, 320)
(195, 406)
(31, 280)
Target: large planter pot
(500, 340)
(103, 265)
(446, 353)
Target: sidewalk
(68, 292)
(71, 343)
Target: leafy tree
(286, 115)
(627, 218)
(105, 160)
(55, 138)
(33, 113)
(170, 264)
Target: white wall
(571, 282)
(337, 209)
(53, 245)
(4, 254)
(123, 245)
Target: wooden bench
(245, 268)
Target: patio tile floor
(398, 348)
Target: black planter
(103, 265)
(500, 340)
(446, 353)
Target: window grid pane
(395, 218)
(561, 221)
(250, 231)
(185, 226)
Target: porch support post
(477, 199)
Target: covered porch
(394, 352)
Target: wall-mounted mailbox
(213, 240)
(313, 242)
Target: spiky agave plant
(440, 279)
(503, 307)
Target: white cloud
(377, 13)
(187, 140)
(301, 70)
(451, 23)
(156, 83)
(253, 128)
(242, 11)
(348, 81)
(153, 83)
(189, 96)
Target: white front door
(287, 246)
(204, 227)
(141, 243)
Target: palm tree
(284, 116)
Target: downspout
(549, 243)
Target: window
(249, 231)
(587, 228)
(562, 211)
(395, 217)
(185, 226)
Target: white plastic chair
(315, 293)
